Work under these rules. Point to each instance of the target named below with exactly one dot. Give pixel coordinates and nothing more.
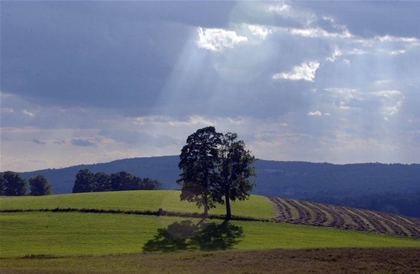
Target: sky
(87, 82)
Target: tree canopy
(39, 186)
(215, 169)
(234, 170)
(198, 161)
(11, 184)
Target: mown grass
(75, 234)
(168, 200)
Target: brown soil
(345, 260)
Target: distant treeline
(87, 181)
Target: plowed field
(317, 214)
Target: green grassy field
(74, 233)
(76, 242)
(256, 206)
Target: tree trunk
(228, 210)
(206, 212)
(206, 205)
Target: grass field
(74, 234)
(256, 206)
(53, 242)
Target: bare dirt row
(311, 213)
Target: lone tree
(234, 169)
(39, 186)
(215, 169)
(199, 165)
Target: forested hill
(386, 187)
(291, 179)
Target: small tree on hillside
(39, 186)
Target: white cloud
(320, 33)
(383, 102)
(195, 120)
(26, 112)
(335, 54)
(392, 100)
(218, 39)
(315, 113)
(281, 8)
(389, 38)
(346, 93)
(306, 71)
(7, 110)
(259, 30)
(304, 17)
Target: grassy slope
(63, 234)
(71, 234)
(256, 206)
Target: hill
(393, 188)
(43, 235)
(258, 207)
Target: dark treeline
(87, 181)
(12, 184)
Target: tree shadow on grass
(186, 235)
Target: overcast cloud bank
(88, 81)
